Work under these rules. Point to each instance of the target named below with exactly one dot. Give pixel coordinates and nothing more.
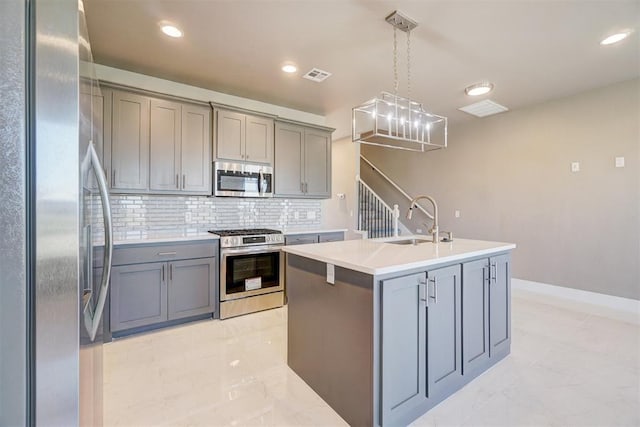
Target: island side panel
(330, 335)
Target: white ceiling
(532, 51)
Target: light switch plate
(457, 213)
(575, 166)
(619, 162)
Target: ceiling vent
(484, 108)
(317, 75)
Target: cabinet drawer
(300, 239)
(163, 252)
(331, 237)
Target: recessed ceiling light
(615, 38)
(478, 89)
(171, 30)
(289, 68)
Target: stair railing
(375, 217)
(396, 186)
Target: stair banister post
(396, 215)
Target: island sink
(409, 241)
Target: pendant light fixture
(392, 121)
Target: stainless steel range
(251, 271)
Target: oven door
(251, 271)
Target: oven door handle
(251, 250)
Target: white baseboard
(609, 301)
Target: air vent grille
(317, 75)
(484, 108)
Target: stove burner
(245, 232)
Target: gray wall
(510, 177)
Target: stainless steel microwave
(242, 180)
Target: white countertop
(290, 231)
(377, 256)
(164, 236)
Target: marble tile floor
(571, 364)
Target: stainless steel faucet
(433, 230)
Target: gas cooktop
(245, 232)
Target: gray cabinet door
(475, 319)
(191, 289)
(403, 346)
(130, 142)
(500, 305)
(259, 140)
(317, 163)
(289, 163)
(230, 136)
(444, 331)
(196, 149)
(138, 295)
(165, 137)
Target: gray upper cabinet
(289, 152)
(244, 137)
(500, 305)
(302, 161)
(166, 134)
(158, 146)
(475, 322)
(196, 149)
(130, 141)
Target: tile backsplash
(157, 213)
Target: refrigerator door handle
(92, 317)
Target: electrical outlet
(619, 162)
(575, 166)
(311, 214)
(296, 215)
(457, 213)
(187, 217)
(419, 230)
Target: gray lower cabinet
(500, 305)
(190, 292)
(475, 322)
(302, 161)
(154, 284)
(421, 351)
(303, 239)
(138, 295)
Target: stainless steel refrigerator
(55, 246)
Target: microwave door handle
(260, 182)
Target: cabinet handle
(246, 156)
(113, 177)
(423, 290)
(170, 271)
(486, 273)
(163, 272)
(177, 181)
(495, 272)
(302, 187)
(184, 180)
(435, 290)
(306, 187)
(166, 253)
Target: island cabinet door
(475, 317)
(403, 346)
(444, 332)
(500, 305)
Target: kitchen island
(383, 329)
